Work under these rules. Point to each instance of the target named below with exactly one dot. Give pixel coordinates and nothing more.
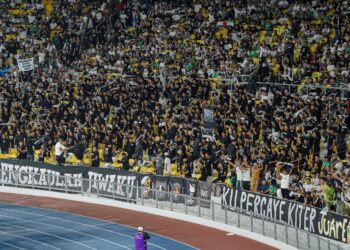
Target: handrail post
(127, 193)
(49, 180)
(82, 185)
(156, 198)
(212, 211)
(263, 226)
(238, 218)
(185, 204)
(141, 193)
(137, 192)
(199, 207)
(226, 213)
(171, 201)
(286, 232)
(251, 222)
(65, 184)
(113, 190)
(308, 240)
(90, 189)
(328, 245)
(32, 174)
(275, 228)
(297, 236)
(16, 178)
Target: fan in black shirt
(108, 154)
(317, 201)
(22, 152)
(125, 162)
(30, 148)
(4, 144)
(308, 199)
(95, 158)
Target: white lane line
(75, 242)
(22, 237)
(8, 244)
(103, 224)
(14, 232)
(93, 236)
(93, 226)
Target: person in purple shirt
(141, 239)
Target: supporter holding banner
(209, 117)
(25, 64)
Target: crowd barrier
(282, 220)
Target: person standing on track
(141, 239)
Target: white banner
(25, 64)
(41, 57)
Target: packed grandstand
(254, 94)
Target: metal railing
(165, 200)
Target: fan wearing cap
(141, 239)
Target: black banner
(311, 219)
(191, 188)
(145, 182)
(209, 117)
(109, 182)
(160, 185)
(243, 78)
(218, 189)
(124, 182)
(204, 191)
(176, 185)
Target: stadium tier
(253, 94)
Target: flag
(225, 23)
(228, 23)
(3, 71)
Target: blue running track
(23, 227)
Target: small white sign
(25, 64)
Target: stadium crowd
(125, 83)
